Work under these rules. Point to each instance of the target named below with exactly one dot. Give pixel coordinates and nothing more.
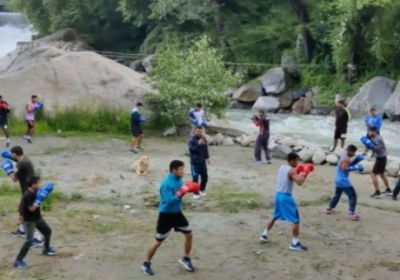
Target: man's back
(284, 183)
(24, 171)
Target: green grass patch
(232, 200)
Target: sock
(265, 232)
(37, 236)
(21, 228)
(295, 240)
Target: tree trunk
(302, 14)
(220, 26)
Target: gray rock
(148, 63)
(302, 106)
(290, 142)
(273, 81)
(300, 93)
(137, 66)
(375, 93)
(281, 151)
(228, 141)
(248, 93)
(236, 104)
(319, 156)
(247, 140)
(338, 151)
(286, 99)
(217, 139)
(332, 159)
(368, 165)
(306, 154)
(170, 132)
(266, 103)
(392, 105)
(393, 168)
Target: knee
(189, 236)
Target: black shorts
(340, 132)
(136, 130)
(30, 124)
(380, 165)
(4, 123)
(168, 221)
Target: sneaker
(203, 193)
(330, 211)
(187, 263)
(20, 264)
(18, 233)
(49, 252)
(353, 216)
(196, 196)
(139, 148)
(29, 140)
(133, 151)
(24, 137)
(394, 198)
(376, 194)
(37, 243)
(257, 162)
(388, 192)
(7, 145)
(298, 247)
(264, 238)
(268, 161)
(146, 267)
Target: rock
(322, 110)
(273, 81)
(217, 139)
(368, 166)
(170, 132)
(209, 139)
(393, 169)
(392, 105)
(297, 148)
(338, 151)
(241, 105)
(319, 156)
(137, 66)
(247, 140)
(271, 145)
(289, 142)
(302, 106)
(239, 139)
(290, 65)
(286, 100)
(224, 127)
(229, 93)
(266, 103)
(375, 93)
(228, 141)
(148, 63)
(306, 154)
(97, 180)
(332, 159)
(300, 93)
(248, 93)
(281, 151)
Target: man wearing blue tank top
(285, 205)
(343, 183)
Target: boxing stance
(4, 111)
(343, 183)
(136, 128)
(170, 215)
(373, 120)
(24, 171)
(285, 205)
(262, 121)
(375, 143)
(30, 212)
(199, 159)
(31, 109)
(197, 117)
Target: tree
(195, 75)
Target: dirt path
(98, 239)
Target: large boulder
(248, 93)
(392, 105)
(393, 169)
(319, 156)
(281, 151)
(273, 81)
(137, 66)
(149, 62)
(286, 100)
(375, 93)
(306, 154)
(266, 103)
(368, 166)
(235, 104)
(302, 106)
(300, 93)
(332, 159)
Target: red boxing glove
(188, 187)
(300, 168)
(257, 123)
(308, 168)
(3, 105)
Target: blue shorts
(136, 130)
(286, 208)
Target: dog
(141, 165)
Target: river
(318, 129)
(14, 28)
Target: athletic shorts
(340, 132)
(286, 208)
(380, 165)
(4, 123)
(136, 130)
(168, 221)
(30, 124)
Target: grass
(232, 200)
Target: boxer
(31, 109)
(285, 205)
(170, 215)
(4, 111)
(136, 128)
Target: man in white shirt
(197, 117)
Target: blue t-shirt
(169, 201)
(342, 176)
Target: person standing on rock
(373, 120)
(342, 118)
(136, 128)
(31, 109)
(197, 117)
(4, 111)
(262, 121)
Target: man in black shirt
(24, 171)
(30, 212)
(342, 118)
(262, 121)
(4, 110)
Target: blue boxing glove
(38, 106)
(367, 142)
(142, 119)
(357, 160)
(7, 154)
(195, 122)
(204, 124)
(43, 193)
(7, 166)
(356, 167)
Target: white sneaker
(203, 193)
(196, 196)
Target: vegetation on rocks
(334, 44)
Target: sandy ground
(98, 239)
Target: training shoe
(37, 243)
(196, 196)
(264, 238)
(298, 247)
(133, 151)
(257, 162)
(203, 193)
(49, 252)
(146, 267)
(394, 198)
(376, 194)
(388, 192)
(138, 148)
(18, 233)
(330, 211)
(268, 161)
(29, 140)
(353, 216)
(187, 263)
(20, 264)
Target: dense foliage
(336, 44)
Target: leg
(396, 190)
(133, 142)
(32, 128)
(140, 140)
(204, 176)
(375, 182)
(267, 152)
(342, 141)
(188, 244)
(343, 132)
(352, 195)
(29, 232)
(385, 181)
(335, 200)
(152, 250)
(44, 229)
(257, 149)
(182, 225)
(195, 176)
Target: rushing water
(14, 28)
(318, 129)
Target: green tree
(186, 77)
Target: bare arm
(344, 164)
(32, 208)
(296, 177)
(13, 177)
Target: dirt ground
(103, 219)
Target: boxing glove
(308, 168)
(357, 160)
(38, 106)
(142, 119)
(356, 167)
(300, 168)
(43, 193)
(255, 118)
(7, 166)
(188, 187)
(367, 142)
(195, 122)
(6, 154)
(204, 124)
